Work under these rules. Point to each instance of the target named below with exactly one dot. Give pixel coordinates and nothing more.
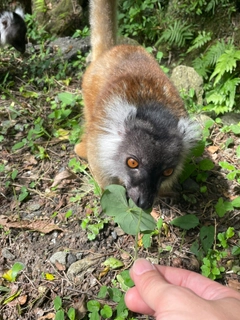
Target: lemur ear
(190, 131)
(20, 12)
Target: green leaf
(115, 294)
(226, 165)
(57, 302)
(94, 316)
(12, 274)
(130, 218)
(236, 202)
(93, 306)
(188, 169)
(230, 232)
(206, 164)
(106, 312)
(187, 222)
(222, 207)
(67, 98)
(135, 221)
(235, 128)
(71, 313)
(114, 200)
(102, 292)
(18, 145)
(59, 315)
(113, 263)
(23, 194)
(207, 237)
(236, 250)
(121, 308)
(125, 280)
(14, 174)
(238, 151)
(4, 289)
(147, 240)
(232, 175)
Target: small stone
(7, 254)
(60, 256)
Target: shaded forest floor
(43, 202)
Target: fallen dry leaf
(48, 316)
(212, 149)
(66, 174)
(234, 284)
(18, 301)
(60, 266)
(43, 226)
(155, 214)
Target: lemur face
(13, 30)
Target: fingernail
(141, 266)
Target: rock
(230, 118)
(70, 47)
(60, 256)
(7, 254)
(186, 78)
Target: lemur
(13, 29)
(137, 132)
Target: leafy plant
(131, 218)
(202, 38)
(206, 62)
(93, 222)
(201, 7)
(139, 19)
(211, 268)
(60, 313)
(211, 258)
(176, 34)
(220, 61)
(12, 273)
(120, 312)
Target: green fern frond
(200, 66)
(200, 40)
(204, 64)
(176, 34)
(227, 62)
(223, 96)
(40, 5)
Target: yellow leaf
(140, 243)
(63, 134)
(166, 229)
(8, 276)
(49, 276)
(104, 272)
(12, 297)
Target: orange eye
(168, 172)
(132, 163)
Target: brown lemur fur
(137, 131)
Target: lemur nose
(143, 203)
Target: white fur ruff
(113, 131)
(7, 18)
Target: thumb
(149, 288)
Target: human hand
(171, 293)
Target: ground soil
(34, 229)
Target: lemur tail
(103, 21)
